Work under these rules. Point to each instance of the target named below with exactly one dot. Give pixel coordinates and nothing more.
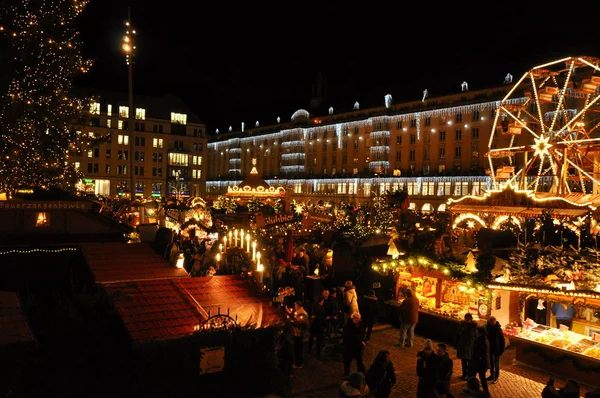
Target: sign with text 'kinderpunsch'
(43, 205)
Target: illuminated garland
(449, 269)
(37, 109)
(30, 251)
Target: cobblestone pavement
(320, 377)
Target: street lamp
(128, 48)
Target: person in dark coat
(426, 371)
(381, 375)
(353, 340)
(409, 316)
(465, 338)
(369, 310)
(480, 361)
(497, 345)
(317, 325)
(444, 365)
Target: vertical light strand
(562, 95)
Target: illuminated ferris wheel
(545, 136)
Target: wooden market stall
(570, 349)
(443, 301)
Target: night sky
(241, 62)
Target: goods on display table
(561, 350)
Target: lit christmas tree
(40, 58)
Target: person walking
(426, 371)
(409, 316)
(381, 375)
(317, 325)
(465, 338)
(299, 323)
(480, 361)
(353, 341)
(350, 300)
(497, 346)
(369, 311)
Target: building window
(443, 153)
(475, 133)
(140, 113)
(474, 151)
(180, 118)
(458, 135)
(442, 136)
(413, 138)
(95, 108)
(109, 110)
(457, 152)
(109, 123)
(42, 220)
(124, 111)
(413, 123)
(399, 140)
(411, 155)
(123, 140)
(120, 125)
(178, 159)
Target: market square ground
(320, 377)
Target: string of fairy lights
(31, 251)
(37, 111)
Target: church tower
(319, 91)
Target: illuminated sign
(48, 205)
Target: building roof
(164, 309)
(157, 107)
(14, 328)
(117, 262)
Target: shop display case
(561, 351)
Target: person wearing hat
(369, 310)
(426, 370)
(350, 300)
(354, 386)
(409, 316)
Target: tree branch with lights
(36, 104)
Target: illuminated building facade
(433, 148)
(169, 147)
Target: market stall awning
(116, 262)
(173, 308)
(14, 328)
(515, 211)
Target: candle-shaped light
(225, 242)
(254, 250)
(235, 234)
(259, 269)
(248, 242)
(218, 258)
(242, 238)
(220, 247)
(230, 239)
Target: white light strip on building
(293, 156)
(443, 112)
(379, 134)
(380, 149)
(287, 169)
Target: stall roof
(14, 328)
(171, 308)
(515, 211)
(116, 262)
